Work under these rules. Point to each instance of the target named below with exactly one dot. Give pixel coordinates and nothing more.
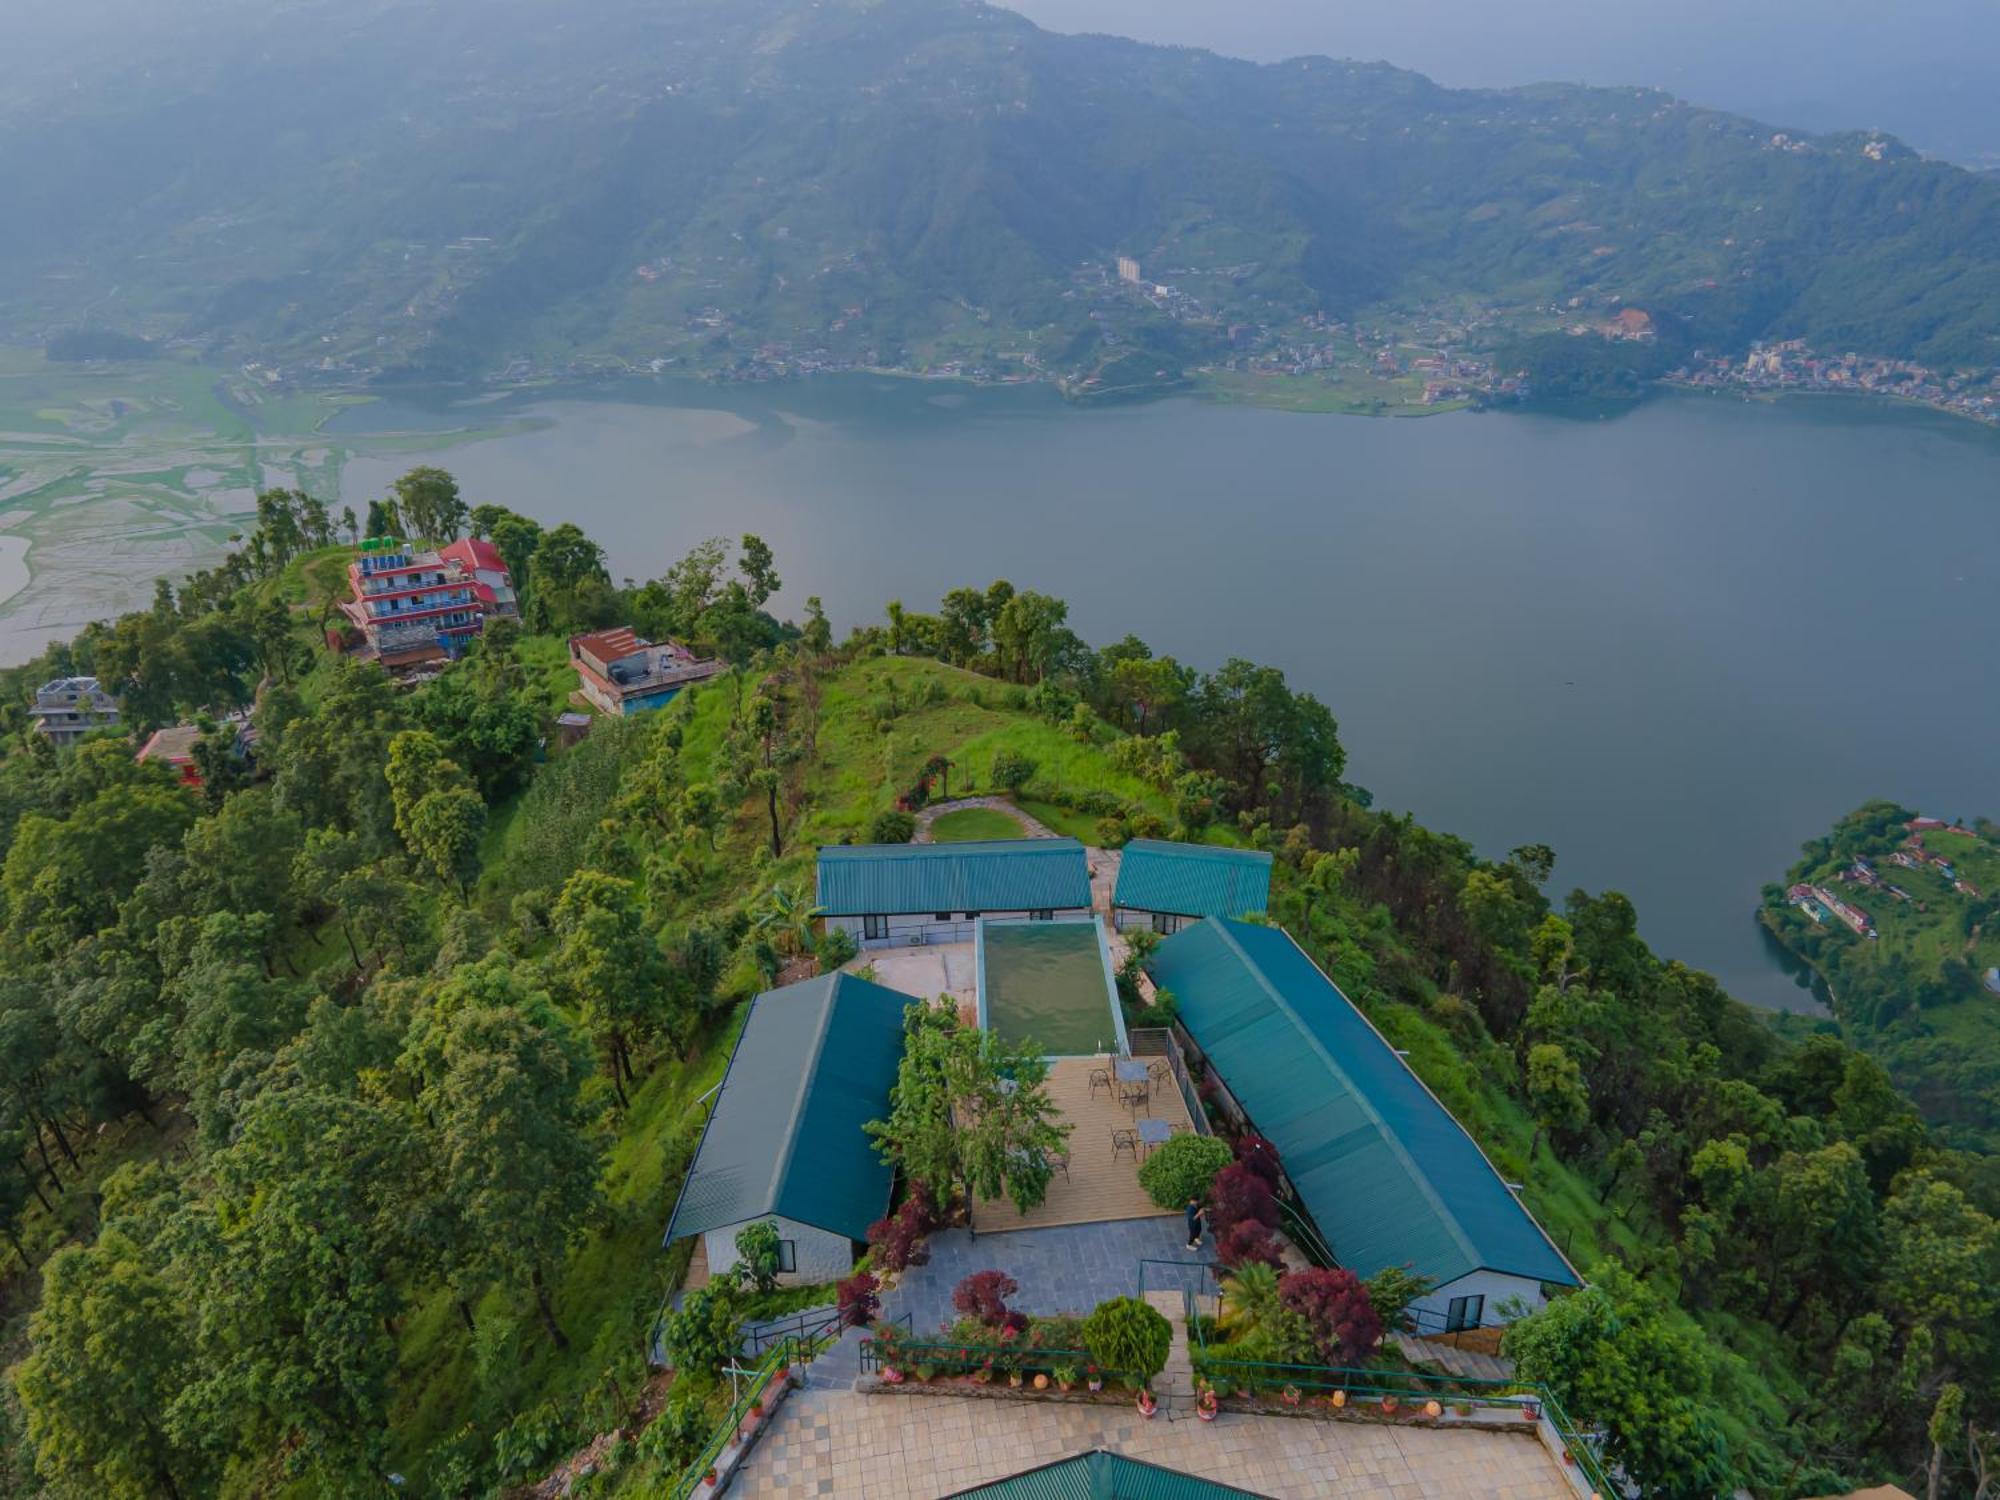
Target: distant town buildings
(1128, 269)
(71, 707)
(416, 607)
(1793, 365)
(620, 673)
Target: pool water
(1049, 983)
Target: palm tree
(1249, 1299)
(785, 918)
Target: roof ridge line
(1457, 1227)
(1389, 1136)
(782, 1168)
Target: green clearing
(970, 824)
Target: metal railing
(812, 1324)
(1158, 1041)
(772, 1368)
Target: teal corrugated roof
(1000, 875)
(1102, 1475)
(815, 1063)
(1193, 880)
(1387, 1174)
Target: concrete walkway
(1032, 828)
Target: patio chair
(1100, 1078)
(1132, 1095)
(1125, 1140)
(1059, 1162)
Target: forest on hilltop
(427, 190)
(345, 1097)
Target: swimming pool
(1049, 983)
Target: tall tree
(429, 501)
(609, 966)
(510, 1135)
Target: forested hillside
(399, 187)
(346, 1097)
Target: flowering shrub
(1335, 1306)
(857, 1300)
(983, 1295)
(898, 1240)
(1260, 1156)
(1240, 1195)
(1249, 1243)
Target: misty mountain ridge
(425, 188)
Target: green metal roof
(1102, 1475)
(1389, 1177)
(815, 1063)
(1193, 880)
(996, 875)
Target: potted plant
(1147, 1405)
(1433, 1410)
(1014, 1378)
(1337, 1400)
(1291, 1395)
(1388, 1406)
(1065, 1377)
(1463, 1408)
(1041, 1380)
(1093, 1378)
(709, 1478)
(1206, 1404)
(891, 1375)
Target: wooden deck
(1098, 1186)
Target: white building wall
(818, 1254)
(1497, 1287)
(916, 930)
(1125, 918)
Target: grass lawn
(970, 823)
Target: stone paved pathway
(918, 1446)
(1070, 1268)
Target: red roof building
(416, 607)
(622, 674)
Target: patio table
(1154, 1133)
(1132, 1070)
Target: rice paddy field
(113, 474)
(1048, 983)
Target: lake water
(1674, 644)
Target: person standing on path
(1194, 1222)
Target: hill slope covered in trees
(434, 188)
(347, 1101)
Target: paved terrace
(843, 1443)
(1099, 1185)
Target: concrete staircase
(1175, 1386)
(1452, 1359)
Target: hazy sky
(1928, 70)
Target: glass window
(1465, 1312)
(788, 1255)
(874, 927)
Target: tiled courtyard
(843, 1443)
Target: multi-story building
(412, 607)
(621, 674)
(479, 562)
(70, 707)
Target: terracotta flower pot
(1432, 1409)
(1337, 1400)
(1389, 1404)
(1147, 1405)
(1096, 1384)
(1206, 1413)
(1041, 1382)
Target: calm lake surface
(1674, 644)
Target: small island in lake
(1898, 917)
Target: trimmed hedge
(1183, 1168)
